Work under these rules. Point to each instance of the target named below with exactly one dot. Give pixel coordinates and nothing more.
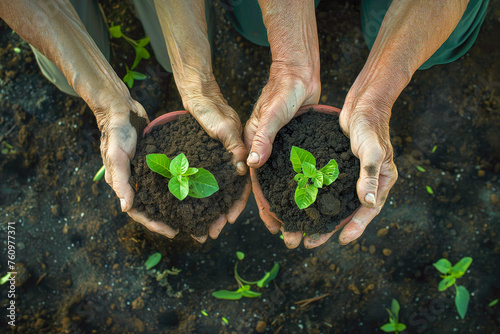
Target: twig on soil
(2, 137)
(305, 302)
(279, 329)
(40, 279)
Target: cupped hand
(289, 87)
(118, 143)
(222, 123)
(366, 122)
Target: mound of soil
(321, 135)
(192, 215)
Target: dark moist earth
(192, 215)
(321, 135)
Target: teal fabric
(459, 42)
(246, 18)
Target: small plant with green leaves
(184, 180)
(450, 275)
(152, 261)
(308, 177)
(140, 53)
(244, 286)
(394, 325)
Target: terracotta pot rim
(163, 119)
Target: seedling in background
(152, 261)
(493, 303)
(140, 53)
(394, 325)
(5, 278)
(244, 289)
(184, 180)
(99, 174)
(429, 190)
(450, 275)
(308, 178)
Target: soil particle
(354, 289)
(261, 327)
(22, 275)
(321, 135)
(138, 304)
(387, 251)
(382, 232)
(192, 215)
(372, 249)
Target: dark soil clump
(192, 215)
(321, 135)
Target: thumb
(233, 142)
(260, 132)
(371, 158)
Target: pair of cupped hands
(363, 119)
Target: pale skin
(54, 29)
(410, 33)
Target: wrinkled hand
(222, 123)
(366, 122)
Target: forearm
(55, 30)
(410, 34)
(292, 32)
(185, 30)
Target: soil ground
(83, 260)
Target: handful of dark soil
(152, 197)
(321, 135)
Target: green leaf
(395, 308)
(400, 327)
(224, 319)
(446, 283)
(318, 179)
(269, 276)
(5, 278)
(429, 190)
(251, 294)
(462, 300)
(138, 76)
(202, 184)
(226, 294)
(491, 304)
(240, 255)
(129, 79)
(179, 186)
(420, 169)
(443, 266)
(99, 174)
(204, 313)
(116, 31)
(143, 41)
(303, 182)
(298, 177)
(305, 196)
(140, 53)
(190, 171)
(159, 163)
(434, 148)
(309, 169)
(179, 165)
(459, 269)
(298, 156)
(153, 260)
(330, 171)
(388, 328)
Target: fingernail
(253, 158)
(370, 198)
(240, 167)
(123, 204)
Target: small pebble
(372, 249)
(261, 327)
(387, 251)
(382, 232)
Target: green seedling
(429, 190)
(308, 178)
(225, 320)
(131, 76)
(244, 289)
(4, 279)
(394, 325)
(493, 303)
(184, 180)
(434, 149)
(152, 261)
(450, 275)
(421, 169)
(204, 313)
(17, 50)
(140, 53)
(99, 174)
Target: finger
(201, 239)
(371, 157)
(292, 239)
(312, 241)
(239, 204)
(153, 226)
(215, 229)
(262, 137)
(236, 146)
(357, 224)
